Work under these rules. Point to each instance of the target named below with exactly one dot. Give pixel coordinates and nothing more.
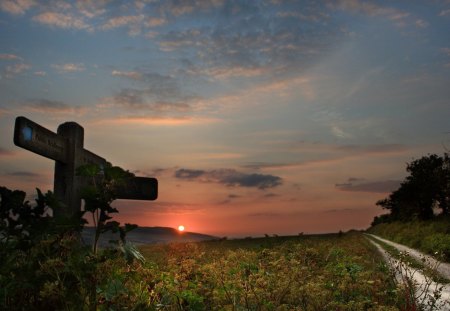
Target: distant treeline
(423, 192)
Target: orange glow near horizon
(181, 228)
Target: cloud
(375, 148)
(444, 12)
(323, 154)
(339, 132)
(9, 57)
(51, 106)
(236, 71)
(16, 69)
(134, 99)
(40, 73)
(134, 75)
(24, 174)
(174, 40)
(189, 174)
(155, 21)
(133, 22)
(234, 196)
(92, 8)
(155, 86)
(366, 7)
(264, 214)
(120, 21)
(375, 187)
(230, 178)
(61, 20)
(69, 67)
(157, 94)
(254, 44)
(16, 7)
(178, 8)
(420, 23)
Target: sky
(256, 117)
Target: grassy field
(328, 272)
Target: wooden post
(66, 184)
(66, 148)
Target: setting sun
(181, 228)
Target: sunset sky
(257, 117)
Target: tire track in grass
(425, 287)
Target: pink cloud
(16, 7)
(9, 57)
(121, 21)
(61, 20)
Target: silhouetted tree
(426, 186)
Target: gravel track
(424, 286)
(443, 268)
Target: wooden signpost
(66, 148)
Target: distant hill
(148, 235)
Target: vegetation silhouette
(426, 187)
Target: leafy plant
(45, 267)
(98, 196)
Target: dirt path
(442, 268)
(425, 288)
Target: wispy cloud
(264, 214)
(134, 75)
(324, 154)
(51, 106)
(368, 8)
(444, 12)
(16, 69)
(373, 148)
(133, 22)
(420, 23)
(155, 21)
(69, 67)
(190, 6)
(61, 20)
(385, 186)
(24, 174)
(16, 7)
(121, 21)
(230, 177)
(92, 8)
(9, 57)
(133, 99)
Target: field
(329, 272)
